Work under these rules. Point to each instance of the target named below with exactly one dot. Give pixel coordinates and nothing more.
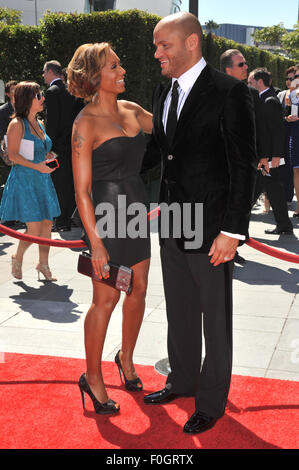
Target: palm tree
(211, 25)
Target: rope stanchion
(151, 216)
(42, 241)
(272, 251)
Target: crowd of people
(220, 141)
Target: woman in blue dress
(29, 194)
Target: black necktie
(172, 113)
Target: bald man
(204, 133)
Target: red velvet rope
(272, 251)
(151, 215)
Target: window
(102, 5)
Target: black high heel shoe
(100, 408)
(134, 385)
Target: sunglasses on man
(39, 95)
(241, 64)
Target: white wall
(159, 7)
(28, 7)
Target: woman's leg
(33, 229)
(133, 311)
(266, 204)
(45, 232)
(296, 186)
(96, 323)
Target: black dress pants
(198, 294)
(63, 182)
(275, 191)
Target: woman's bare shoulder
(15, 125)
(128, 104)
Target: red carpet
(41, 409)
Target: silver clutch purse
(120, 277)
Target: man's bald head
(177, 39)
(184, 23)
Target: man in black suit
(272, 149)
(233, 63)
(204, 134)
(7, 109)
(62, 108)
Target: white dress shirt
(186, 82)
(294, 97)
(55, 79)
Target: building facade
(33, 10)
(241, 34)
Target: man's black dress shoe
(160, 397)
(239, 259)
(63, 228)
(276, 231)
(199, 422)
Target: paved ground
(47, 318)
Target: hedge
(24, 50)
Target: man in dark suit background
(272, 149)
(62, 108)
(204, 133)
(7, 109)
(233, 63)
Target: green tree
(211, 26)
(271, 35)
(10, 16)
(282, 41)
(290, 43)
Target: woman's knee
(106, 302)
(140, 287)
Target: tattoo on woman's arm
(77, 142)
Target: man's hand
(291, 118)
(264, 163)
(275, 162)
(223, 249)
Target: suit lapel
(158, 110)
(197, 95)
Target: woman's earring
(95, 98)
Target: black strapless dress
(116, 184)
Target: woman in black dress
(108, 146)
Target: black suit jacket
(259, 123)
(272, 143)
(6, 111)
(62, 108)
(212, 159)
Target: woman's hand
(50, 155)
(43, 168)
(291, 118)
(100, 258)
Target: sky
(248, 12)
